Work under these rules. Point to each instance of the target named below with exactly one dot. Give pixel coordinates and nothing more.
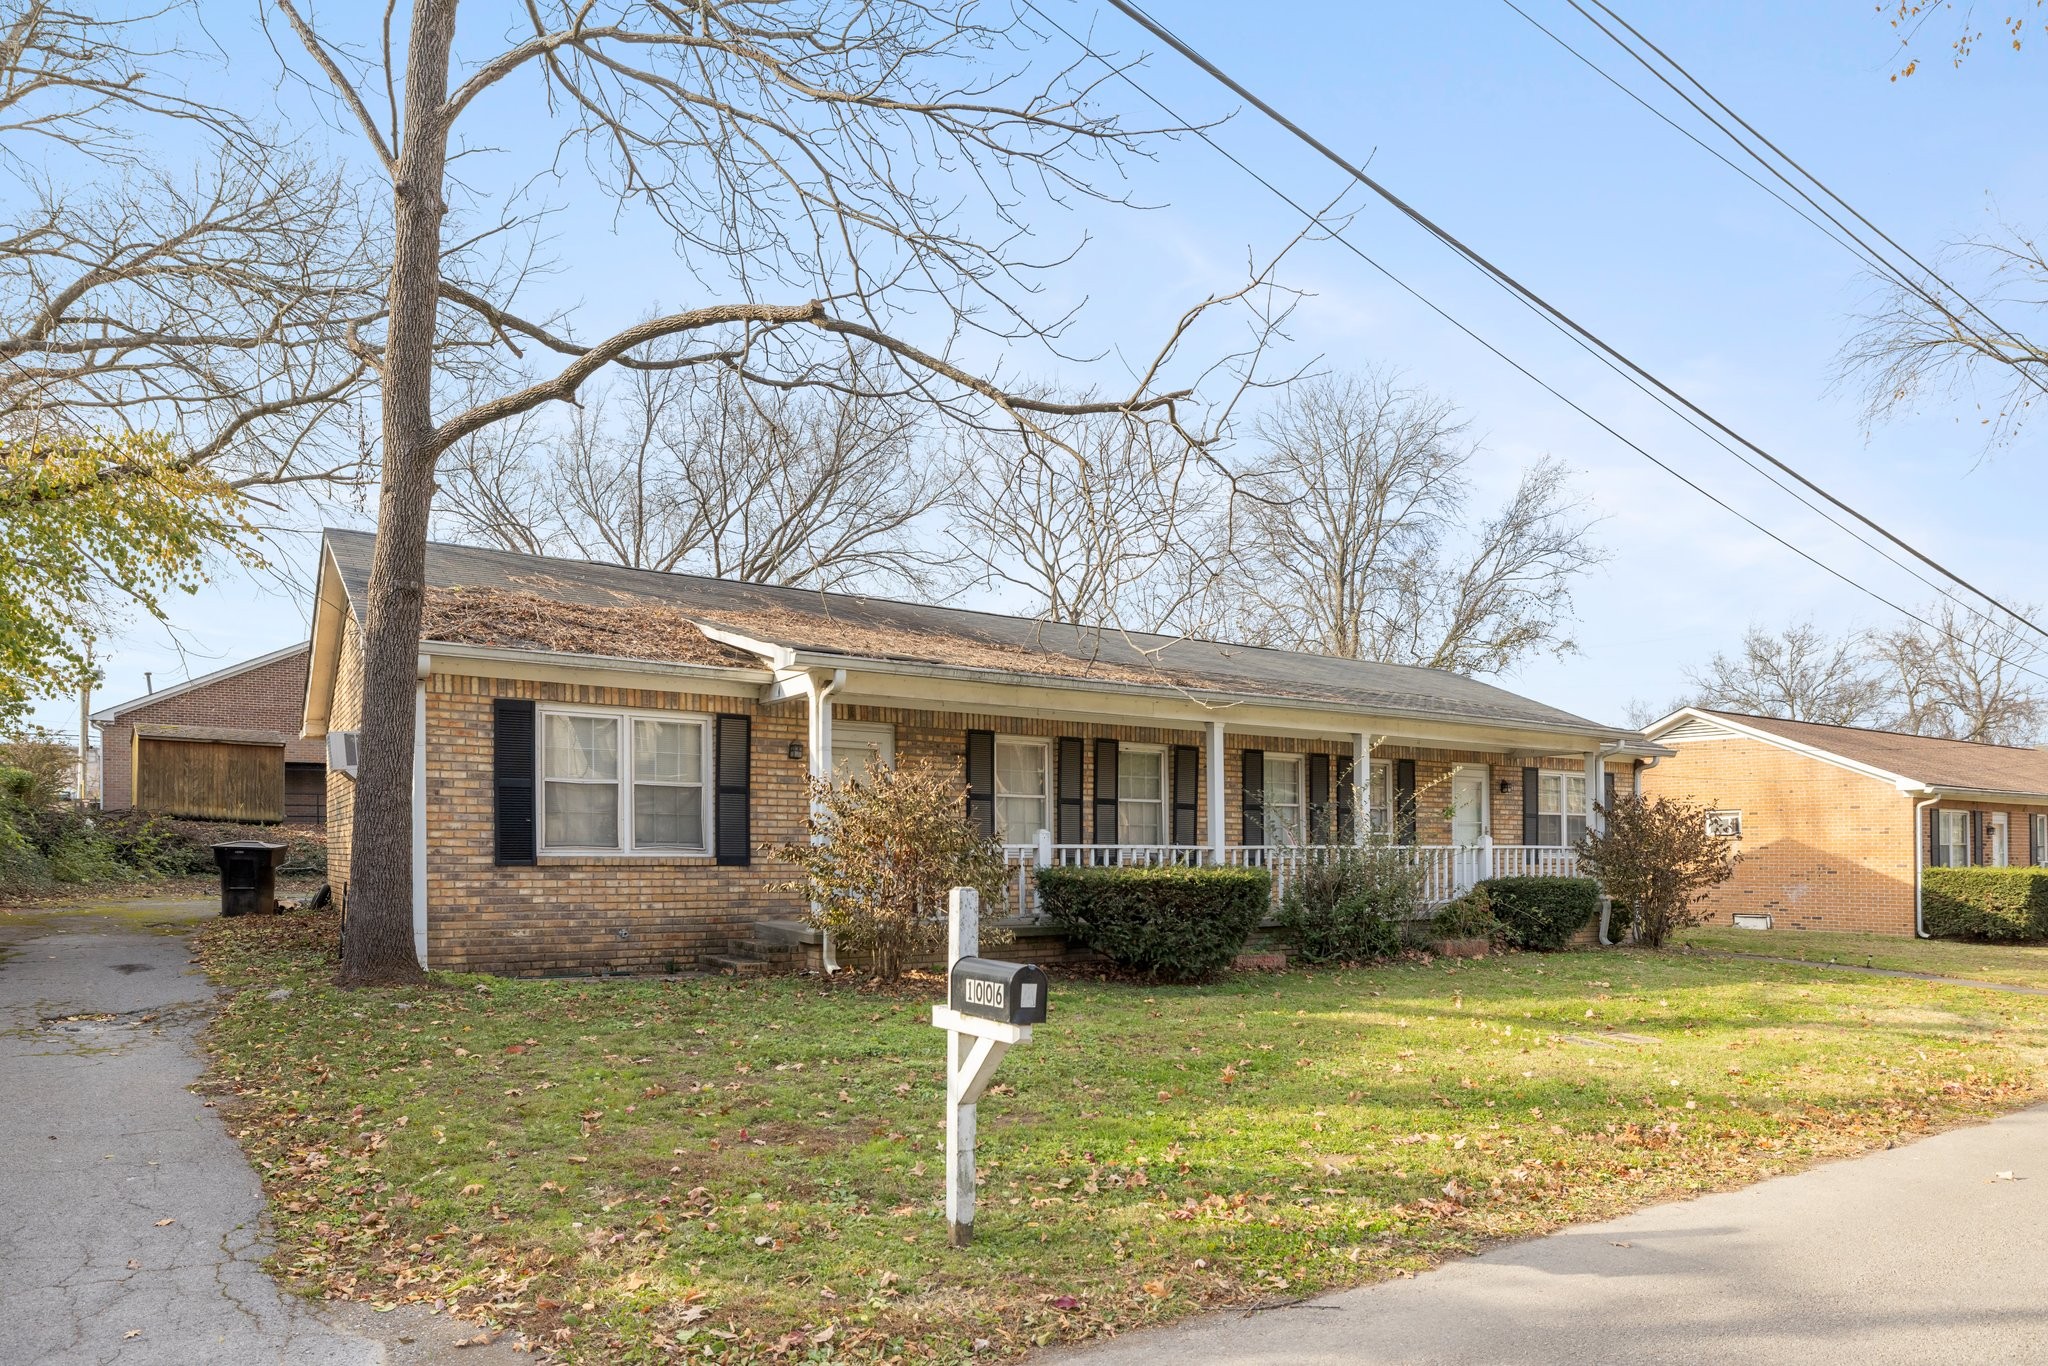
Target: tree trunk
(378, 944)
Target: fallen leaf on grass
(480, 1340)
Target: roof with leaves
(808, 626)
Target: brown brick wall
(346, 713)
(271, 698)
(1822, 847)
(624, 913)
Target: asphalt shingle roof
(881, 630)
(1937, 763)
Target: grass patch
(2023, 965)
(751, 1171)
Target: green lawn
(633, 1170)
(2019, 964)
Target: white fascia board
(595, 670)
(789, 685)
(1982, 794)
(942, 688)
(331, 615)
(779, 657)
(107, 715)
(1898, 780)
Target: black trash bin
(248, 876)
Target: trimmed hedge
(1176, 924)
(1542, 913)
(1986, 903)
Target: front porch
(1448, 870)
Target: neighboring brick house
(611, 756)
(224, 746)
(1835, 823)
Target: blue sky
(1508, 141)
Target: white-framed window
(625, 781)
(1023, 789)
(858, 747)
(2037, 839)
(1560, 808)
(1140, 794)
(1284, 823)
(1725, 825)
(1381, 791)
(1951, 839)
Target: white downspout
(820, 696)
(1920, 810)
(419, 811)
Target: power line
(1854, 243)
(1336, 235)
(1562, 319)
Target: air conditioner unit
(344, 751)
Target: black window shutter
(1067, 824)
(1319, 799)
(1187, 791)
(1347, 800)
(1976, 838)
(1105, 792)
(1404, 800)
(1254, 789)
(512, 776)
(1607, 795)
(981, 781)
(1933, 845)
(1532, 806)
(734, 767)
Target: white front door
(1469, 824)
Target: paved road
(1921, 1254)
(101, 1141)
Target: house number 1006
(981, 993)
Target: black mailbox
(248, 876)
(990, 989)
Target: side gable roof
(1915, 760)
(106, 715)
(792, 627)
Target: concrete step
(738, 964)
(775, 932)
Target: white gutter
(1920, 867)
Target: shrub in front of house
(1347, 905)
(1469, 917)
(1541, 913)
(1986, 903)
(1171, 924)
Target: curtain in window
(1283, 801)
(1020, 792)
(668, 784)
(1141, 797)
(580, 765)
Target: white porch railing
(1448, 870)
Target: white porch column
(1361, 787)
(818, 747)
(1217, 840)
(1596, 785)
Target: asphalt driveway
(130, 1225)
(1931, 1253)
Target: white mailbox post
(989, 1006)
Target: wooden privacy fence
(208, 779)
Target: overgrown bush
(885, 852)
(1469, 917)
(1172, 924)
(1349, 904)
(185, 847)
(1986, 903)
(1542, 913)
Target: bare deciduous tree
(214, 307)
(1359, 538)
(1801, 673)
(831, 173)
(1966, 677)
(704, 473)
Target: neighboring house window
(1283, 799)
(647, 795)
(1021, 789)
(1141, 796)
(2037, 839)
(1725, 825)
(1951, 839)
(1560, 808)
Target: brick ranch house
(223, 746)
(1835, 823)
(607, 758)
